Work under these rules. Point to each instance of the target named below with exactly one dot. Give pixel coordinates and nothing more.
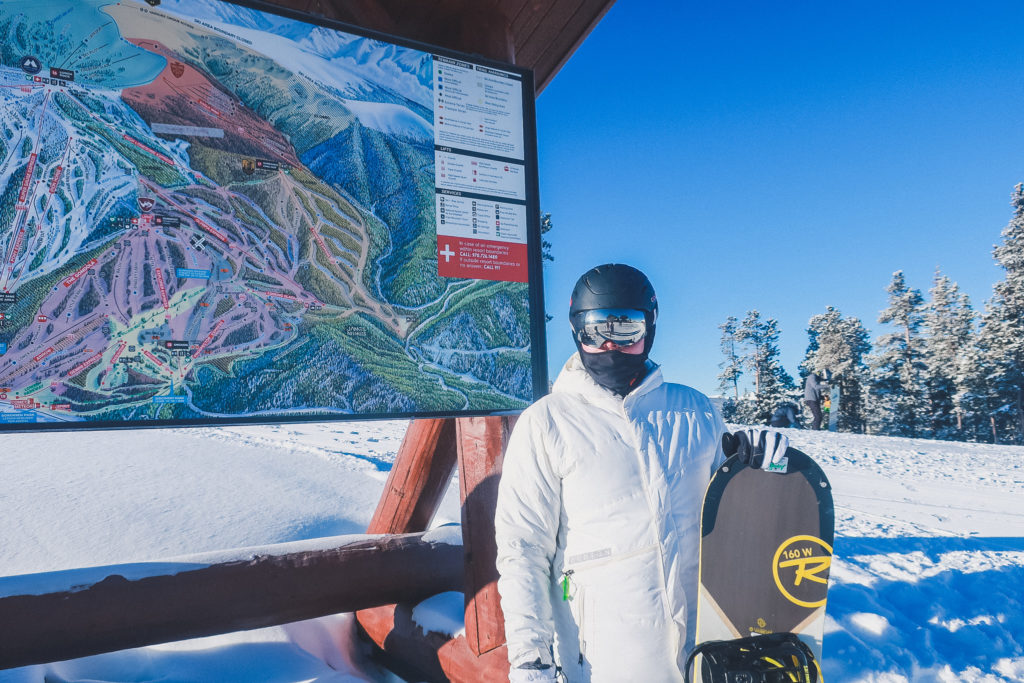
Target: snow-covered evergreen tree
(948, 338)
(975, 398)
(759, 340)
(1002, 332)
(732, 366)
(732, 369)
(897, 391)
(837, 346)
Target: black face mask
(616, 371)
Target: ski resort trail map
(193, 229)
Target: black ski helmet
(615, 285)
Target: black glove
(752, 445)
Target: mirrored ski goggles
(620, 326)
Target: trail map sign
(221, 212)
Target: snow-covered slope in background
(926, 583)
(391, 119)
(351, 63)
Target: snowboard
(765, 552)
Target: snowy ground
(926, 584)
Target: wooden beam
(418, 480)
(117, 613)
(547, 52)
(482, 442)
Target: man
(814, 389)
(598, 512)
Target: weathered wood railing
(82, 612)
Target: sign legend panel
(480, 177)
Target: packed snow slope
(926, 583)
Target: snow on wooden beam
(420, 655)
(124, 608)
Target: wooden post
(482, 442)
(418, 480)
(414, 489)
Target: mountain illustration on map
(212, 213)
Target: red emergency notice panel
(481, 259)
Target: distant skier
(784, 416)
(598, 512)
(814, 389)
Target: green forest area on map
(191, 229)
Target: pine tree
(896, 382)
(732, 366)
(545, 247)
(948, 338)
(1002, 332)
(837, 347)
(974, 399)
(545, 228)
(759, 338)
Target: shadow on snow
(964, 617)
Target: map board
(217, 212)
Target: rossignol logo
(800, 568)
(762, 627)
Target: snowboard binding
(770, 658)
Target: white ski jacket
(598, 527)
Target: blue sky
(780, 156)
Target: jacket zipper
(655, 515)
(581, 591)
(583, 640)
(579, 595)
